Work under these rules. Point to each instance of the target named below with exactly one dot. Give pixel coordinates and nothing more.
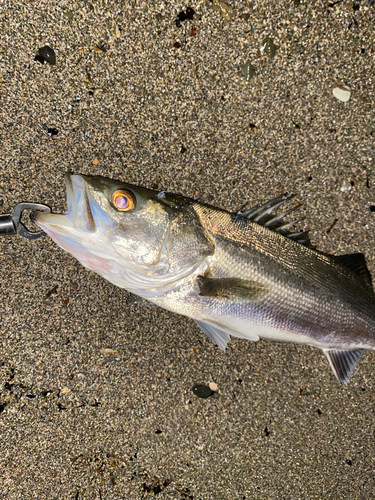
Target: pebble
(342, 93)
(190, 13)
(202, 391)
(224, 10)
(68, 14)
(107, 351)
(46, 54)
(65, 390)
(268, 47)
(346, 186)
(213, 386)
(248, 71)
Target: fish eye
(123, 200)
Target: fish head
(128, 234)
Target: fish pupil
(122, 202)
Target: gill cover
(136, 238)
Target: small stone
(342, 93)
(193, 32)
(95, 162)
(346, 186)
(176, 45)
(248, 71)
(223, 9)
(99, 47)
(52, 131)
(68, 14)
(190, 13)
(268, 47)
(202, 391)
(65, 390)
(107, 351)
(213, 386)
(182, 16)
(46, 54)
(118, 32)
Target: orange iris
(123, 200)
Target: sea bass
(235, 274)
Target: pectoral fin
(235, 289)
(220, 335)
(343, 363)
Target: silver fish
(236, 274)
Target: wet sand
(96, 397)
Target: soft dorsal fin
(343, 363)
(356, 262)
(263, 215)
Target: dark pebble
(202, 391)
(182, 16)
(52, 131)
(190, 13)
(46, 54)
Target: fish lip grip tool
(11, 223)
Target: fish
(242, 274)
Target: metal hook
(11, 223)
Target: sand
(96, 394)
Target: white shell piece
(342, 93)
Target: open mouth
(83, 216)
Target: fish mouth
(83, 217)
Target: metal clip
(11, 223)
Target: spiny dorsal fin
(263, 215)
(235, 289)
(356, 262)
(343, 363)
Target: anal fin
(343, 363)
(219, 334)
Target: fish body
(238, 275)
